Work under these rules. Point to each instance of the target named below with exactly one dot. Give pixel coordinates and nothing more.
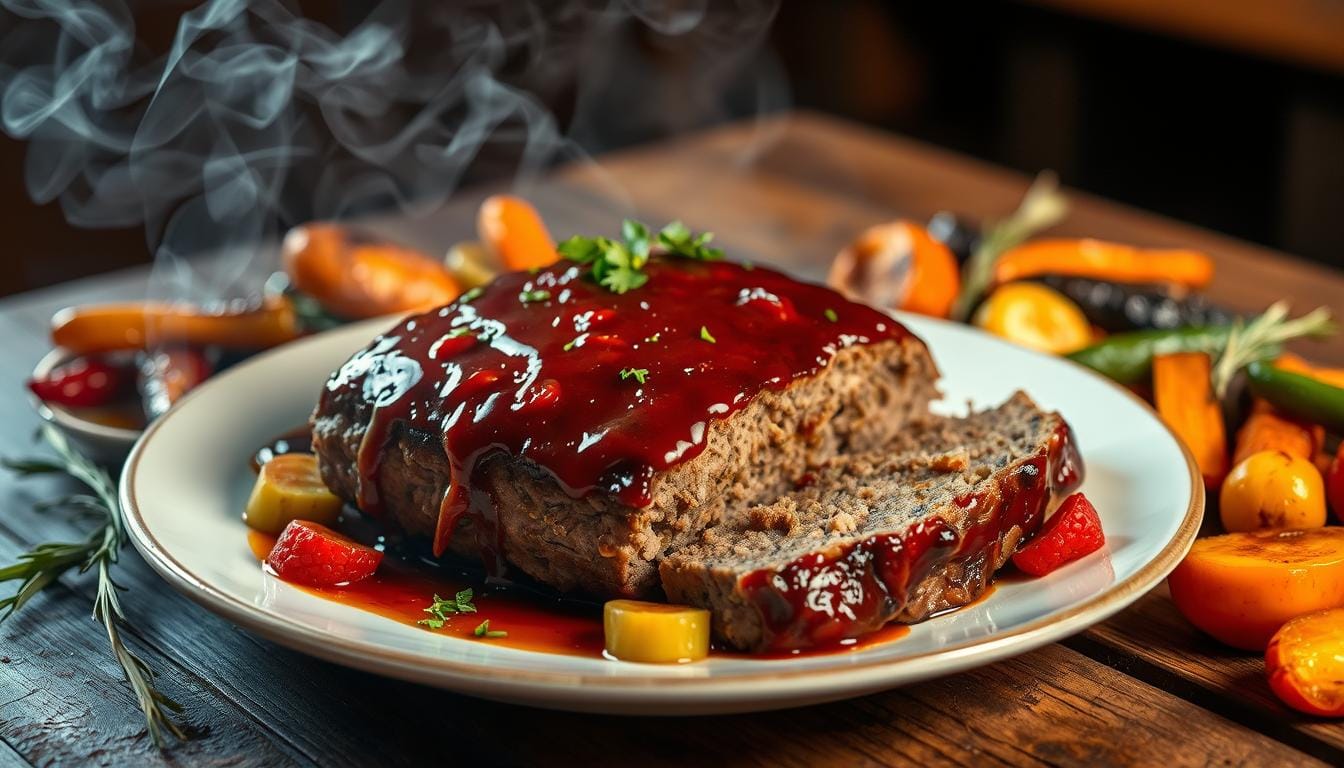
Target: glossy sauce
(534, 367)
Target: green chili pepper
(1128, 357)
(1301, 396)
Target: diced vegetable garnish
(898, 265)
(82, 383)
(513, 231)
(312, 554)
(1272, 489)
(289, 487)
(1303, 396)
(1305, 663)
(356, 278)
(1183, 395)
(1035, 316)
(1072, 532)
(101, 328)
(655, 632)
(1241, 587)
(1105, 261)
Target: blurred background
(1225, 113)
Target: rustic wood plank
(1151, 640)
(63, 698)
(9, 758)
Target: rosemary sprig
(1263, 338)
(1041, 208)
(45, 563)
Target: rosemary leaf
(1263, 338)
(1042, 207)
(45, 563)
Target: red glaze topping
(603, 390)
(820, 600)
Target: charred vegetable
(959, 235)
(1184, 398)
(1302, 396)
(168, 374)
(1034, 316)
(898, 265)
(109, 327)
(1103, 261)
(1116, 307)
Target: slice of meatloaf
(888, 536)
(861, 397)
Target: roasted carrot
(108, 327)
(899, 265)
(355, 277)
(513, 230)
(1184, 397)
(1104, 261)
(1266, 429)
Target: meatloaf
(894, 535)
(581, 435)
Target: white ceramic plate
(187, 479)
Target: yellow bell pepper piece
(289, 487)
(655, 632)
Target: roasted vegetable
(1117, 307)
(1301, 396)
(513, 231)
(471, 264)
(1271, 489)
(1334, 483)
(1266, 429)
(1127, 357)
(289, 487)
(1183, 395)
(1034, 316)
(101, 328)
(1072, 532)
(1103, 261)
(655, 632)
(959, 235)
(1290, 362)
(355, 277)
(1241, 587)
(314, 555)
(168, 374)
(82, 383)
(1305, 663)
(898, 265)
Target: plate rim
(445, 671)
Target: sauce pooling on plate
(602, 390)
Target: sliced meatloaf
(816, 377)
(894, 535)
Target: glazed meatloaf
(581, 435)
(894, 535)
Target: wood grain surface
(1141, 688)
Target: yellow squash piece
(289, 487)
(655, 632)
(1035, 316)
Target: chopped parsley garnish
(705, 335)
(676, 238)
(484, 630)
(638, 374)
(830, 315)
(572, 343)
(459, 332)
(618, 265)
(654, 338)
(471, 295)
(441, 609)
(527, 297)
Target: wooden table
(1143, 687)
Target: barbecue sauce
(602, 390)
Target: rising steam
(253, 118)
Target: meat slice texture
(894, 535)
(790, 377)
